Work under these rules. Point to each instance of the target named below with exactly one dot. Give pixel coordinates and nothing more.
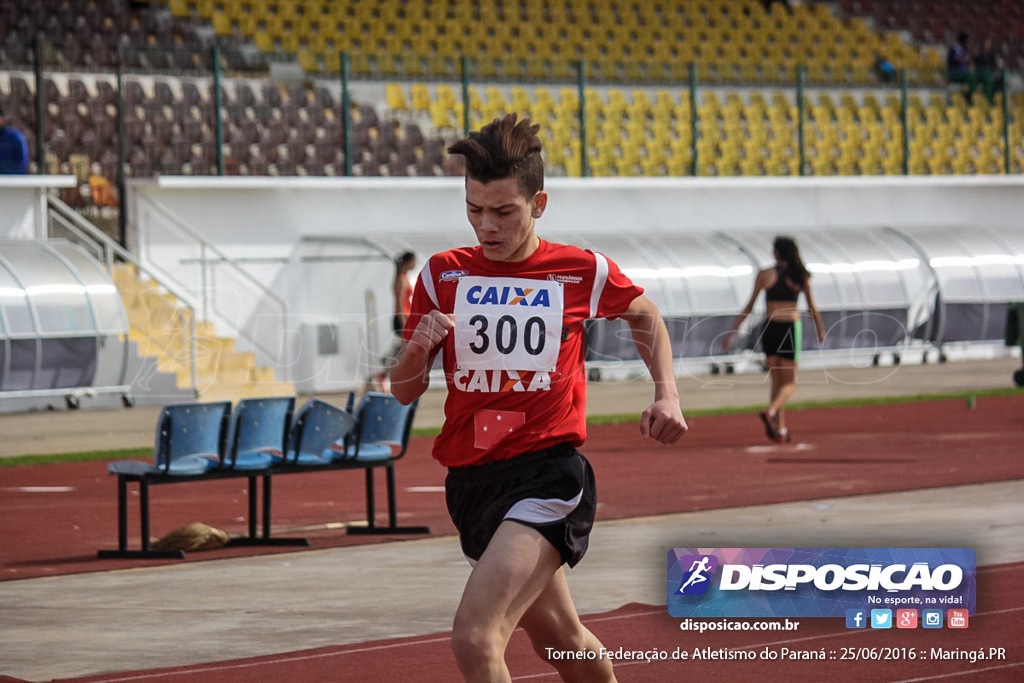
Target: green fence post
(904, 121)
(346, 115)
(801, 75)
(693, 119)
(37, 70)
(122, 158)
(1007, 156)
(218, 119)
(464, 63)
(582, 85)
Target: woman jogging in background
(780, 338)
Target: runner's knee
(559, 635)
(475, 648)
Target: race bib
(507, 323)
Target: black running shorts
(782, 339)
(552, 490)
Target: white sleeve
(600, 279)
(428, 283)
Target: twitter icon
(881, 618)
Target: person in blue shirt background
(959, 67)
(13, 149)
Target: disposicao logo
(696, 580)
(818, 582)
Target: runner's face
(503, 219)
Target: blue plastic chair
(189, 440)
(381, 438)
(319, 434)
(259, 433)
(384, 426)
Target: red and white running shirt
(514, 362)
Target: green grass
(805, 405)
(145, 453)
(44, 459)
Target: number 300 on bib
(505, 323)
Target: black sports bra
(781, 291)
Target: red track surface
(997, 624)
(53, 519)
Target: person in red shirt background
(401, 287)
(507, 317)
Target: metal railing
(108, 252)
(215, 284)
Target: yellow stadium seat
(221, 24)
(179, 8)
(394, 97)
(419, 97)
(308, 61)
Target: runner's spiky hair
(504, 148)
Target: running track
(643, 627)
(722, 464)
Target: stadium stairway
(159, 327)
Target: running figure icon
(697, 569)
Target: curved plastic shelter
(882, 292)
(698, 281)
(978, 272)
(872, 287)
(63, 328)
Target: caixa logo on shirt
(808, 582)
(500, 381)
(508, 296)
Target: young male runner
(507, 317)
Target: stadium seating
(735, 41)
(636, 126)
(939, 22)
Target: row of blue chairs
(264, 438)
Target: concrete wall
(22, 204)
(323, 244)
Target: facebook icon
(856, 618)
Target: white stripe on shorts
(543, 510)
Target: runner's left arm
(663, 420)
(819, 327)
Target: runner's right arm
(411, 377)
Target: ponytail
(402, 260)
(788, 253)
